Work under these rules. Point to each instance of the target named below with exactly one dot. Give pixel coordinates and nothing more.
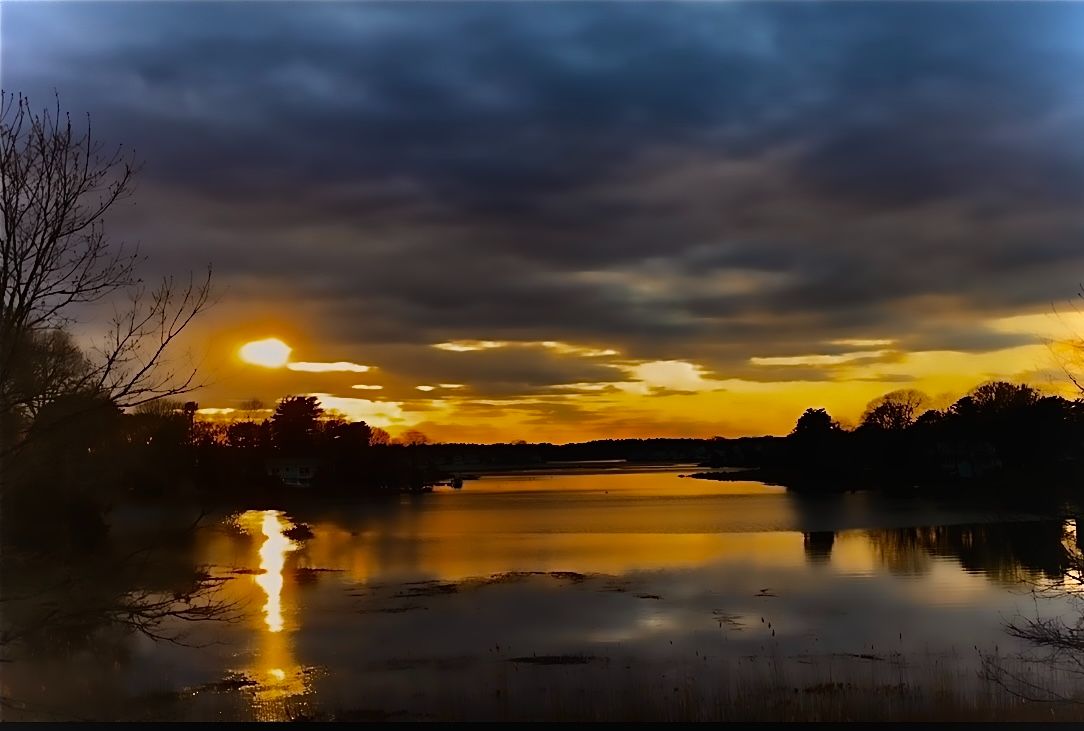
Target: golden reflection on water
(277, 674)
(434, 549)
(1073, 543)
(272, 561)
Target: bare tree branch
(57, 183)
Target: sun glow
(269, 353)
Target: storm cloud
(710, 183)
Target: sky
(567, 221)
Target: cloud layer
(761, 192)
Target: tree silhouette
(72, 426)
(344, 436)
(894, 411)
(295, 423)
(47, 366)
(245, 435)
(813, 423)
(56, 186)
(1023, 426)
(413, 438)
(1001, 396)
(251, 408)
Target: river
(571, 595)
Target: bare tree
(50, 365)
(894, 411)
(1059, 638)
(57, 183)
(252, 408)
(379, 437)
(131, 366)
(414, 438)
(1068, 352)
(140, 590)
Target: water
(536, 595)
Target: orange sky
(643, 399)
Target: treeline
(83, 454)
(1000, 431)
(79, 455)
(301, 441)
(460, 457)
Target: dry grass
(829, 688)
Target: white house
(293, 472)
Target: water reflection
(1003, 552)
(424, 602)
(818, 546)
(614, 524)
(272, 561)
(276, 672)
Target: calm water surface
(525, 589)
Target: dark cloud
(500, 372)
(706, 182)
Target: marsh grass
(762, 688)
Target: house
(968, 460)
(293, 472)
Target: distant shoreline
(593, 467)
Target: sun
(269, 353)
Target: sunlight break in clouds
(582, 386)
(374, 413)
(466, 346)
(675, 375)
(212, 411)
(567, 349)
(336, 367)
(862, 343)
(818, 360)
(366, 387)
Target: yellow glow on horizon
(269, 353)
(1050, 325)
(696, 395)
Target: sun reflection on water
(277, 674)
(272, 561)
